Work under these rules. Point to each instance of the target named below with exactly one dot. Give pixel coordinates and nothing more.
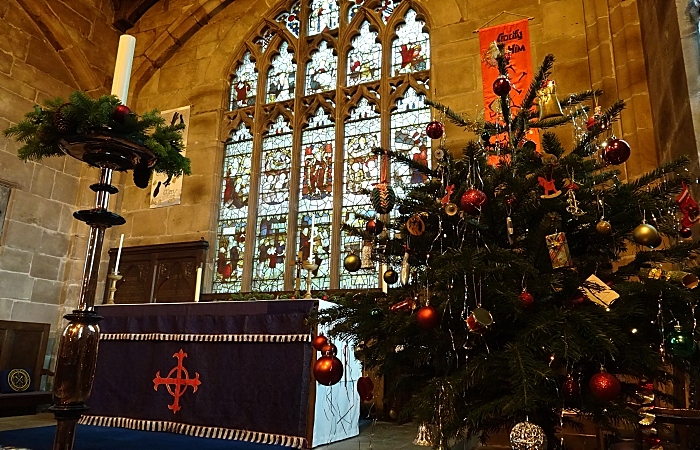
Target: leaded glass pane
(290, 19)
(354, 7)
(408, 137)
(281, 76)
(386, 8)
(244, 84)
(263, 41)
(321, 71)
(316, 196)
(273, 208)
(410, 51)
(233, 211)
(361, 171)
(365, 57)
(324, 15)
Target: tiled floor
(373, 435)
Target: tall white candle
(311, 239)
(122, 68)
(119, 254)
(198, 286)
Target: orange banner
(515, 37)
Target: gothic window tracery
(300, 157)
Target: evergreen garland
(44, 127)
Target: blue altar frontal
(227, 370)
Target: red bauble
(501, 86)
(328, 370)
(527, 299)
(590, 123)
(685, 232)
(435, 129)
(120, 113)
(374, 226)
(319, 341)
(365, 386)
(472, 201)
(604, 387)
(570, 387)
(427, 317)
(329, 349)
(616, 152)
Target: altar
(227, 370)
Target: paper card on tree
(558, 250)
(598, 292)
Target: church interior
(281, 106)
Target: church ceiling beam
(128, 12)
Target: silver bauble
(527, 436)
(646, 234)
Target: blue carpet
(106, 438)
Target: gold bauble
(604, 228)
(352, 263)
(393, 413)
(646, 234)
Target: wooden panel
(164, 273)
(23, 345)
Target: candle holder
(77, 348)
(113, 277)
(310, 268)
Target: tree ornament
(407, 304)
(486, 138)
(142, 175)
(646, 234)
(329, 349)
(604, 386)
(424, 438)
(365, 386)
(435, 129)
(472, 201)
(390, 276)
(527, 298)
(616, 151)
(501, 86)
(527, 436)
(374, 226)
(603, 228)
(120, 113)
(319, 341)
(415, 225)
(479, 320)
(352, 263)
(550, 189)
(685, 233)
(570, 387)
(383, 197)
(451, 209)
(427, 317)
(405, 272)
(328, 370)
(62, 123)
(548, 102)
(559, 251)
(691, 212)
(393, 413)
(681, 342)
(376, 312)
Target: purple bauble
(616, 152)
(501, 86)
(435, 129)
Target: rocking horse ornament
(550, 190)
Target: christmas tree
(533, 281)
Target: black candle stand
(77, 350)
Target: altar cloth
(230, 370)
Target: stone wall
(186, 50)
(47, 49)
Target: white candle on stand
(198, 286)
(122, 68)
(119, 254)
(311, 240)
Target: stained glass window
(281, 76)
(324, 15)
(365, 57)
(290, 19)
(354, 7)
(273, 208)
(307, 156)
(361, 171)
(386, 8)
(410, 51)
(244, 83)
(233, 211)
(321, 72)
(408, 122)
